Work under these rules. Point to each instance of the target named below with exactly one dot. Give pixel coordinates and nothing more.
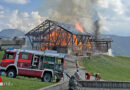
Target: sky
(25, 15)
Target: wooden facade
(64, 38)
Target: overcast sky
(24, 15)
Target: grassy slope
(22, 83)
(1, 54)
(111, 68)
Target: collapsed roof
(49, 26)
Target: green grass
(1, 54)
(22, 83)
(111, 68)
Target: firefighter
(76, 74)
(97, 76)
(88, 75)
(77, 64)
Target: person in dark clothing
(73, 84)
(76, 74)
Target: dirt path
(70, 68)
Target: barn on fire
(64, 38)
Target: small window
(9, 55)
(24, 55)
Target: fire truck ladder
(34, 62)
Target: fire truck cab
(33, 63)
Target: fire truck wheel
(46, 77)
(11, 73)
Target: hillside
(10, 33)
(120, 45)
(110, 68)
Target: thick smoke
(97, 24)
(71, 11)
(97, 29)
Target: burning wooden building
(64, 38)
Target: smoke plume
(71, 11)
(97, 24)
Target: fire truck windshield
(9, 55)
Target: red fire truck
(33, 63)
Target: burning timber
(65, 38)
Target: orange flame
(79, 27)
(89, 45)
(62, 38)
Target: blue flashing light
(10, 49)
